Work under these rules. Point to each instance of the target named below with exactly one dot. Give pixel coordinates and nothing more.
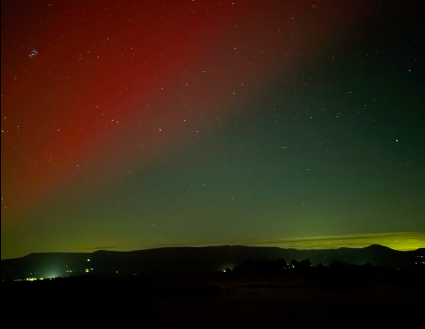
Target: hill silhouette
(191, 260)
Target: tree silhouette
(305, 264)
(246, 267)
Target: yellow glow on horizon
(396, 241)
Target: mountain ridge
(193, 260)
(235, 247)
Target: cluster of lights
(87, 270)
(30, 279)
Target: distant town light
(88, 260)
(87, 270)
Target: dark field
(217, 298)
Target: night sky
(137, 124)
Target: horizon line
(398, 241)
